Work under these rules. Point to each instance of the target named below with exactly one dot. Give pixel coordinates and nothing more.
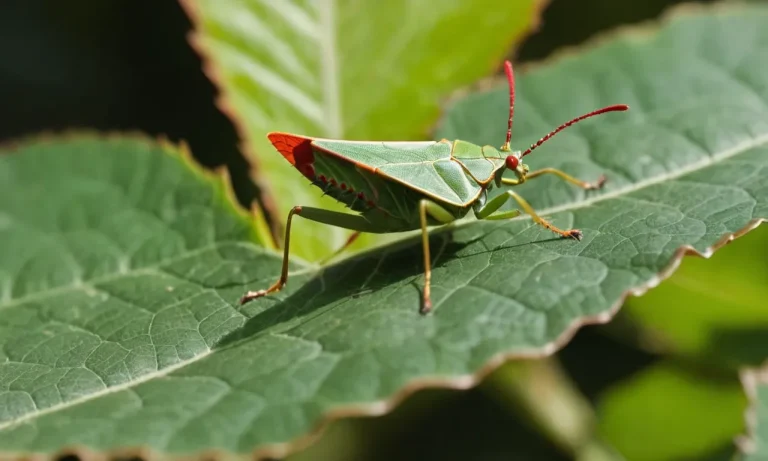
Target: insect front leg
(566, 177)
(486, 212)
(332, 218)
(439, 213)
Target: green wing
(423, 166)
(378, 154)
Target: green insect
(403, 186)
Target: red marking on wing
(297, 150)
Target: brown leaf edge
(750, 379)
(223, 102)
(283, 449)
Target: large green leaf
(120, 325)
(667, 412)
(346, 70)
(754, 445)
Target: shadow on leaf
(354, 279)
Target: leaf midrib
(329, 72)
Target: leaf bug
(402, 186)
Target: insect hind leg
(431, 209)
(332, 218)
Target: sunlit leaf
(346, 70)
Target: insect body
(402, 186)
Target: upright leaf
(346, 70)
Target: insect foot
(597, 184)
(252, 295)
(426, 307)
(574, 234)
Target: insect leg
(566, 177)
(332, 218)
(486, 213)
(503, 215)
(434, 210)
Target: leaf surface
(128, 333)
(343, 69)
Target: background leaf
(687, 413)
(336, 69)
(147, 335)
(754, 446)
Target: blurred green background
(660, 382)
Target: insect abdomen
(343, 182)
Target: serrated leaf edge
(750, 379)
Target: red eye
(512, 162)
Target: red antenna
(511, 79)
(541, 141)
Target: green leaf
(119, 258)
(345, 70)
(711, 310)
(754, 446)
(120, 325)
(667, 412)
